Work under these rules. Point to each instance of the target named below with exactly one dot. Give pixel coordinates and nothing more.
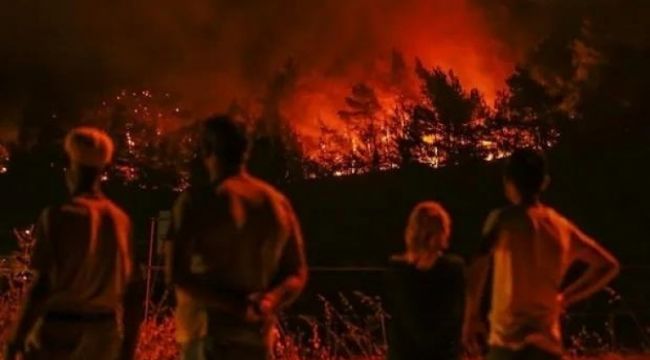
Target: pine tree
(362, 116)
(448, 107)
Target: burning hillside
(212, 53)
(335, 87)
(439, 123)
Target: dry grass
(339, 333)
(350, 327)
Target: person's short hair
(527, 169)
(225, 138)
(89, 147)
(428, 222)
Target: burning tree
(362, 119)
(443, 125)
(526, 115)
(154, 144)
(276, 153)
(454, 115)
(381, 124)
(335, 154)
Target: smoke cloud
(61, 57)
(64, 56)
(562, 41)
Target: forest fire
(433, 121)
(309, 105)
(368, 129)
(425, 116)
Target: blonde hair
(428, 230)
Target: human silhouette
(235, 254)
(532, 246)
(83, 265)
(425, 290)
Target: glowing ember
(368, 127)
(4, 159)
(380, 129)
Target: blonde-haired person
(425, 289)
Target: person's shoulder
(552, 213)
(257, 183)
(116, 211)
(511, 212)
(270, 191)
(559, 220)
(68, 207)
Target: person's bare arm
(602, 267)
(36, 298)
(292, 272)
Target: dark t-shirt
(236, 238)
(426, 309)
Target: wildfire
(374, 127)
(368, 127)
(431, 119)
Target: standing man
(83, 264)
(235, 254)
(532, 247)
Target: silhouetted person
(426, 290)
(83, 264)
(532, 247)
(235, 254)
